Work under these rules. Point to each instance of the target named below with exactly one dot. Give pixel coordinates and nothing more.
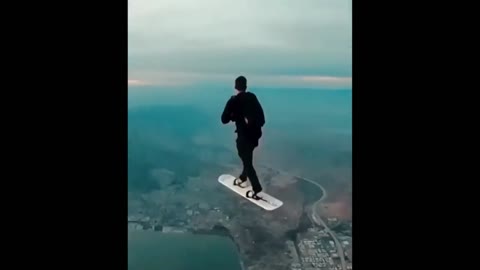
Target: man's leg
(241, 149)
(248, 167)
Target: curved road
(320, 222)
(317, 219)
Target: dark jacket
(245, 105)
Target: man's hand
(227, 114)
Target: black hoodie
(245, 105)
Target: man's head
(241, 84)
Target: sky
(302, 43)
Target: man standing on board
(245, 110)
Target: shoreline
(216, 230)
(222, 231)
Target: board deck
(270, 204)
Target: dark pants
(245, 149)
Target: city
(316, 250)
(312, 248)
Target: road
(316, 217)
(320, 222)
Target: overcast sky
(272, 42)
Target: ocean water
(149, 250)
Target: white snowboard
(268, 203)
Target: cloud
(136, 82)
(263, 38)
(169, 78)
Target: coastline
(216, 230)
(220, 230)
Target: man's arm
(256, 111)
(261, 115)
(227, 114)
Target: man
(245, 110)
